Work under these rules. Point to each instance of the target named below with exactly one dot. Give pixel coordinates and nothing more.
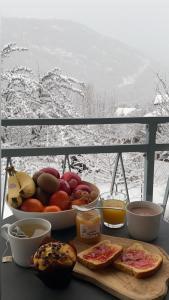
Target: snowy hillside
(107, 64)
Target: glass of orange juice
(115, 209)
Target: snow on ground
(124, 111)
(152, 114)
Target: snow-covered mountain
(107, 64)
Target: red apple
(71, 175)
(83, 187)
(80, 193)
(64, 186)
(73, 183)
(51, 171)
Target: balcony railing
(149, 148)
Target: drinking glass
(113, 218)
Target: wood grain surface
(122, 285)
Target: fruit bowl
(59, 220)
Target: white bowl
(58, 220)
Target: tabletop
(19, 283)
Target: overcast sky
(143, 24)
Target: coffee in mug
(143, 220)
(25, 236)
(143, 211)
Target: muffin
(54, 262)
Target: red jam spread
(137, 259)
(100, 253)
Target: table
(19, 283)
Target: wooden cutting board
(122, 285)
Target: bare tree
(162, 107)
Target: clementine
(52, 208)
(80, 201)
(32, 205)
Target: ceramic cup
(143, 220)
(23, 248)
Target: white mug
(23, 248)
(143, 227)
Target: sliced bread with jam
(137, 261)
(100, 255)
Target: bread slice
(137, 261)
(100, 255)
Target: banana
(13, 197)
(27, 185)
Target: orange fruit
(61, 199)
(32, 205)
(52, 208)
(79, 202)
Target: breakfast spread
(110, 260)
(54, 262)
(100, 255)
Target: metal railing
(148, 148)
